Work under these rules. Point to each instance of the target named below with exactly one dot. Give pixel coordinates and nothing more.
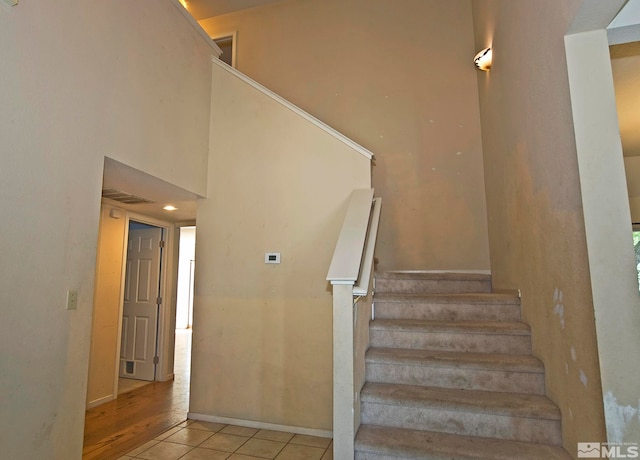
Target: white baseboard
(97, 402)
(166, 378)
(479, 272)
(260, 425)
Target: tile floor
(193, 440)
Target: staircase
(450, 375)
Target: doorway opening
(116, 421)
(636, 248)
(227, 43)
(186, 271)
(184, 304)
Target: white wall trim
(470, 272)
(310, 118)
(97, 402)
(166, 377)
(260, 425)
(216, 49)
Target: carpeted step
(385, 443)
(449, 307)
(462, 336)
(454, 370)
(486, 414)
(429, 282)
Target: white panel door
(140, 313)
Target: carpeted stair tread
(488, 402)
(476, 327)
(420, 275)
(385, 443)
(466, 360)
(481, 298)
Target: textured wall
(262, 334)
(398, 78)
(106, 307)
(536, 223)
(80, 81)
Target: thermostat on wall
(271, 257)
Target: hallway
(141, 414)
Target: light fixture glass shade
(483, 59)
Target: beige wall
(262, 334)
(396, 77)
(80, 80)
(106, 306)
(536, 223)
(607, 221)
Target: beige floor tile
(261, 448)
(142, 448)
(205, 454)
(168, 433)
(243, 457)
(165, 451)
(224, 442)
(207, 426)
(126, 457)
(189, 437)
(313, 441)
(328, 455)
(298, 452)
(239, 430)
(281, 436)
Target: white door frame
(233, 36)
(164, 369)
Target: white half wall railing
(295, 109)
(350, 274)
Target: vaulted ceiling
(625, 61)
(202, 9)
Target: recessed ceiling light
(169, 207)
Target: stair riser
(447, 341)
(395, 286)
(370, 456)
(456, 378)
(373, 456)
(447, 312)
(485, 425)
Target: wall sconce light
(483, 59)
(11, 2)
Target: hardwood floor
(116, 427)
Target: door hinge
(161, 243)
(156, 360)
(159, 301)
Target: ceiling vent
(123, 197)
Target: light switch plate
(72, 300)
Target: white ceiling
(628, 16)
(127, 179)
(202, 9)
